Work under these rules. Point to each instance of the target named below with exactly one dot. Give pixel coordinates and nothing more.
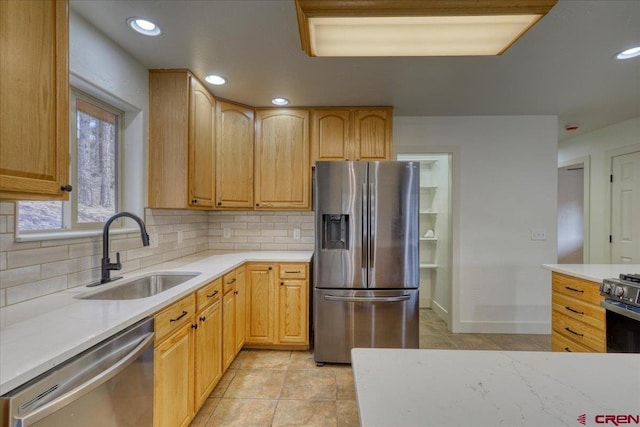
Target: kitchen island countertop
(406, 387)
(38, 334)
(593, 272)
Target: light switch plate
(296, 233)
(153, 240)
(538, 234)
(226, 233)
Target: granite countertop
(39, 334)
(593, 272)
(403, 387)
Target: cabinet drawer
(293, 271)
(579, 332)
(578, 288)
(579, 310)
(229, 281)
(174, 316)
(209, 294)
(561, 343)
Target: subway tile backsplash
(32, 269)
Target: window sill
(70, 234)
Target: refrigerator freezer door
(393, 233)
(340, 258)
(346, 319)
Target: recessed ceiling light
(144, 26)
(629, 53)
(215, 80)
(280, 101)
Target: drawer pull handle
(231, 282)
(573, 310)
(184, 313)
(574, 289)
(567, 349)
(213, 294)
(574, 332)
(293, 272)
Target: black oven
(623, 328)
(622, 305)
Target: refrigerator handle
(368, 299)
(364, 226)
(372, 228)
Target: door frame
(454, 151)
(585, 162)
(609, 155)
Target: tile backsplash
(32, 269)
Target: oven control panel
(621, 290)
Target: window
(94, 143)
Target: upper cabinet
(234, 156)
(282, 172)
(34, 100)
(351, 134)
(181, 138)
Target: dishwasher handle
(79, 391)
(368, 299)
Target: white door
(625, 209)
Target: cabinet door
(241, 298)
(292, 311)
(373, 134)
(330, 135)
(260, 304)
(234, 156)
(201, 133)
(282, 159)
(208, 353)
(228, 328)
(34, 99)
(173, 379)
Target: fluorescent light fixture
(144, 26)
(279, 101)
(215, 80)
(629, 53)
(415, 27)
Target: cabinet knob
(219, 203)
(235, 292)
(203, 318)
(257, 204)
(194, 326)
(281, 283)
(66, 188)
(194, 201)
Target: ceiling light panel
(416, 36)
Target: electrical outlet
(180, 237)
(153, 240)
(226, 233)
(538, 234)
(296, 233)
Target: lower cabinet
(277, 305)
(233, 303)
(188, 355)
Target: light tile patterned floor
(278, 388)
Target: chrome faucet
(107, 265)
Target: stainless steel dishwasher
(110, 384)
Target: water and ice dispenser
(335, 231)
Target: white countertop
(593, 272)
(39, 334)
(405, 388)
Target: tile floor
(277, 388)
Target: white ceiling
(564, 66)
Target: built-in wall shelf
(428, 266)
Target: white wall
(101, 68)
(505, 173)
(599, 146)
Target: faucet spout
(106, 264)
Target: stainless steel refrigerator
(365, 266)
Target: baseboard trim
(543, 328)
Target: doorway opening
(573, 212)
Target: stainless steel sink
(141, 287)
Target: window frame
(70, 226)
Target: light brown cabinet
(188, 355)
(351, 134)
(277, 310)
(34, 100)
(234, 315)
(578, 320)
(282, 172)
(181, 141)
(234, 156)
